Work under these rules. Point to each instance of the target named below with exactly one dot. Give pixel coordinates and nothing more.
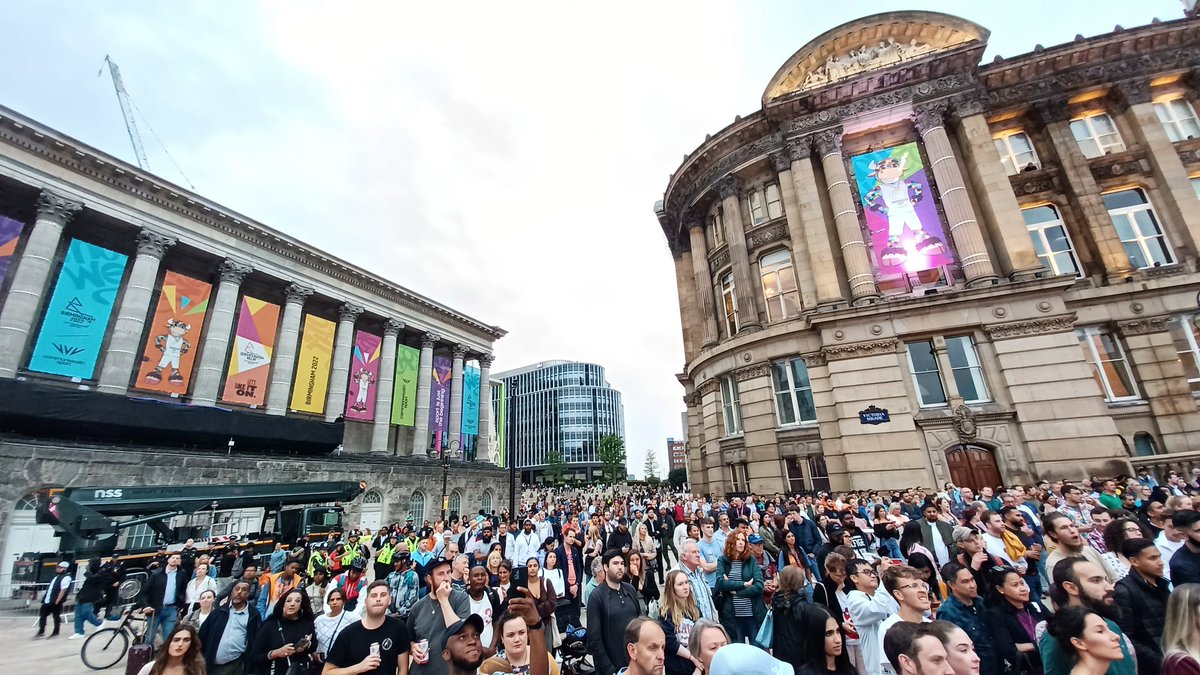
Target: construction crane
(127, 111)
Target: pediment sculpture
(865, 58)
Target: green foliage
(652, 468)
(677, 477)
(612, 458)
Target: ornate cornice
(1015, 329)
(392, 327)
(767, 235)
(233, 271)
(685, 194)
(780, 162)
(55, 207)
(709, 387)
(1127, 67)
(1109, 166)
(814, 359)
(828, 141)
(1130, 92)
(459, 351)
(860, 349)
(729, 186)
(927, 116)
(1150, 324)
(921, 91)
(429, 340)
(967, 104)
(798, 148)
(1052, 109)
(752, 371)
(691, 400)
(295, 293)
(349, 312)
(153, 244)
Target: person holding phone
(287, 638)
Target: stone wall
(36, 465)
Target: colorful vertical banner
(10, 233)
(79, 311)
(404, 386)
(313, 364)
(175, 329)
(254, 344)
(906, 233)
(470, 402)
(439, 401)
(501, 419)
(364, 374)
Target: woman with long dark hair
(1085, 635)
(287, 638)
(824, 651)
(1012, 621)
(789, 609)
(887, 531)
(740, 580)
(178, 655)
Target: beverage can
(423, 651)
(374, 649)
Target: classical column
(483, 446)
(343, 345)
(801, 262)
(997, 202)
(216, 341)
(284, 366)
(1082, 191)
(29, 280)
(704, 286)
(424, 373)
(735, 237)
(383, 392)
(1182, 205)
(859, 276)
(964, 226)
(125, 342)
(811, 221)
(456, 391)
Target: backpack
(405, 594)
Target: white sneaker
(77, 636)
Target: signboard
(873, 415)
(906, 233)
(253, 345)
(10, 234)
(174, 335)
(470, 404)
(404, 386)
(501, 414)
(312, 365)
(364, 374)
(78, 313)
(439, 401)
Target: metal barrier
(23, 598)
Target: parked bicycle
(106, 647)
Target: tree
(677, 477)
(555, 467)
(612, 458)
(651, 468)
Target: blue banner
(79, 311)
(470, 404)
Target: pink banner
(364, 373)
(439, 402)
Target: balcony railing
(1159, 465)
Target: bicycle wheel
(104, 648)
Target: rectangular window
(795, 475)
(1178, 119)
(1050, 240)
(731, 406)
(793, 393)
(818, 472)
(765, 204)
(1186, 332)
(1097, 135)
(779, 285)
(1109, 366)
(774, 202)
(1016, 152)
(924, 366)
(1138, 228)
(738, 478)
(729, 301)
(968, 374)
(715, 232)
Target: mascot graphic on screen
(895, 199)
(173, 345)
(364, 379)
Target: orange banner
(174, 336)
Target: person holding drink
(432, 615)
(376, 644)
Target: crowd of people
(1088, 577)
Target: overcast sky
(500, 157)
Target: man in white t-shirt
(53, 599)
(911, 594)
(868, 608)
(486, 604)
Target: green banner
(501, 414)
(404, 391)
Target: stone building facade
(909, 267)
(55, 190)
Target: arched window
(779, 285)
(1144, 445)
(416, 506)
(372, 497)
(27, 503)
(455, 503)
(485, 502)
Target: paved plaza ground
(22, 655)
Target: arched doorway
(972, 466)
(372, 511)
(25, 535)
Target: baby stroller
(574, 652)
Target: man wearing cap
(972, 554)
(525, 545)
(377, 643)
(463, 652)
(444, 606)
(53, 599)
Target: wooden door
(972, 466)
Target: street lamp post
(446, 455)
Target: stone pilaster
(28, 288)
(382, 424)
(343, 347)
(689, 319)
(812, 227)
(735, 236)
(704, 286)
(124, 345)
(997, 203)
(963, 225)
(483, 446)
(859, 275)
(223, 313)
(801, 260)
(283, 367)
(1163, 382)
(424, 374)
(456, 394)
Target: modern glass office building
(563, 406)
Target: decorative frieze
(1028, 183)
(1109, 166)
(767, 235)
(686, 193)
(1128, 67)
(718, 260)
(1014, 329)
(751, 372)
(861, 349)
(813, 359)
(1151, 324)
(709, 387)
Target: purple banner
(10, 232)
(439, 401)
(364, 373)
